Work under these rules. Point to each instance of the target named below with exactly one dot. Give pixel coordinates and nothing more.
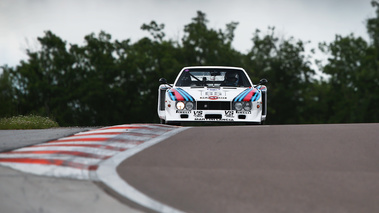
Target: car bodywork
(212, 94)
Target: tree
(354, 75)
(287, 67)
(203, 46)
(40, 88)
(106, 82)
(7, 106)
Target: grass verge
(27, 122)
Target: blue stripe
(244, 94)
(259, 95)
(189, 96)
(238, 96)
(172, 96)
(185, 94)
(255, 96)
(182, 93)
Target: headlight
(189, 105)
(247, 106)
(180, 105)
(238, 106)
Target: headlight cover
(244, 105)
(180, 105)
(189, 106)
(247, 106)
(238, 106)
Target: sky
(22, 21)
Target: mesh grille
(213, 105)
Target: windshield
(213, 78)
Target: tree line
(106, 82)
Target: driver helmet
(231, 78)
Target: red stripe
(87, 145)
(55, 162)
(249, 95)
(58, 152)
(178, 96)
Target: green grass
(27, 122)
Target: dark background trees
(105, 81)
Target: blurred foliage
(27, 122)
(106, 82)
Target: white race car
(212, 94)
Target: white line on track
(107, 174)
(53, 171)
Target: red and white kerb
(77, 156)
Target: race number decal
(229, 113)
(198, 114)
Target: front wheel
(162, 121)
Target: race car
(212, 94)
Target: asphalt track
(289, 168)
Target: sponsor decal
(229, 113)
(183, 111)
(213, 97)
(212, 94)
(213, 119)
(244, 112)
(212, 89)
(198, 114)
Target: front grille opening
(213, 116)
(183, 116)
(213, 105)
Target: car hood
(214, 94)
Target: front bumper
(174, 115)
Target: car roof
(212, 67)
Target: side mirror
(263, 81)
(162, 81)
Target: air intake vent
(213, 116)
(162, 99)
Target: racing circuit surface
(290, 168)
(287, 168)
